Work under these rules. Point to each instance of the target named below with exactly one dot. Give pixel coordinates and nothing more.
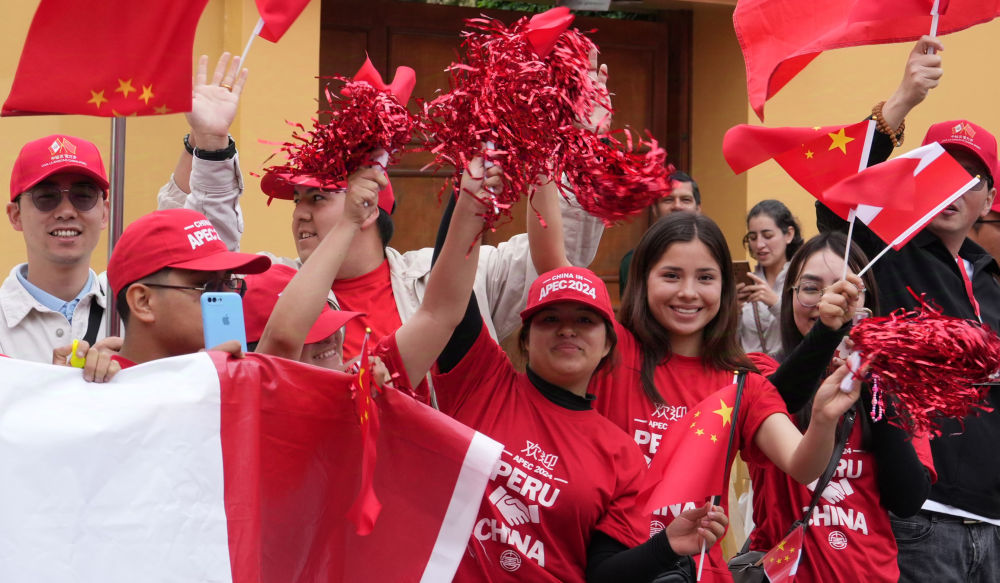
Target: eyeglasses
(808, 294)
(986, 221)
(82, 196)
(233, 284)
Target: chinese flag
(780, 37)
(782, 562)
(366, 507)
(691, 462)
(278, 16)
(898, 197)
(816, 158)
(110, 58)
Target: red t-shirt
(371, 294)
(683, 382)
(563, 473)
(849, 532)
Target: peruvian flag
(897, 198)
(780, 37)
(207, 468)
(109, 58)
(816, 158)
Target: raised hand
(693, 526)
(363, 188)
(214, 102)
(922, 73)
(600, 118)
(840, 301)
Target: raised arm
(548, 249)
(207, 177)
(422, 338)
(302, 301)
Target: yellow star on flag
(97, 98)
(697, 413)
(781, 546)
(700, 432)
(161, 109)
(725, 411)
(840, 140)
(147, 94)
(714, 438)
(809, 154)
(125, 87)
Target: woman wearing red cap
(560, 503)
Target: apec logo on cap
(964, 129)
(62, 150)
(205, 233)
(570, 281)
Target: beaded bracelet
(882, 127)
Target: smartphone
(740, 271)
(222, 318)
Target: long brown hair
(721, 348)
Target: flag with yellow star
(816, 158)
(690, 464)
(366, 507)
(782, 562)
(108, 59)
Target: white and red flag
(897, 198)
(203, 468)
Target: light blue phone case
(222, 318)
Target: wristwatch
(211, 155)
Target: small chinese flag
(691, 461)
(816, 158)
(897, 198)
(108, 59)
(278, 16)
(365, 510)
(782, 562)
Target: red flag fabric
(208, 468)
(106, 59)
(928, 177)
(692, 461)
(365, 510)
(543, 29)
(402, 83)
(278, 16)
(782, 562)
(816, 158)
(780, 37)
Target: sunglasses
(48, 197)
(233, 284)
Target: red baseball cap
(55, 154)
(282, 185)
(177, 238)
(569, 284)
(969, 136)
(263, 290)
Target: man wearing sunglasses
(58, 201)
(160, 267)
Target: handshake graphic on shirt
(835, 491)
(514, 511)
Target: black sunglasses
(47, 197)
(233, 284)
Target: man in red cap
(59, 202)
(162, 264)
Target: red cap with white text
(55, 154)
(968, 136)
(176, 238)
(569, 284)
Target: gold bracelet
(897, 135)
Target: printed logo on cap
(568, 281)
(62, 144)
(205, 233)
(964, 128)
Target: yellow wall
(281, 87)
(838, 87)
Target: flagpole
(872, 262)
(253, 35)
(847, 248)
(934, 23)
(117, 204)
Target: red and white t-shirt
(849, 531)
(683, 382)
(563, 473)
(370, 294)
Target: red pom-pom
(526, 109)
(363, 121)
(933, 365)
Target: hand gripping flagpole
(934, 23)
(850, 232)
(117, 204)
